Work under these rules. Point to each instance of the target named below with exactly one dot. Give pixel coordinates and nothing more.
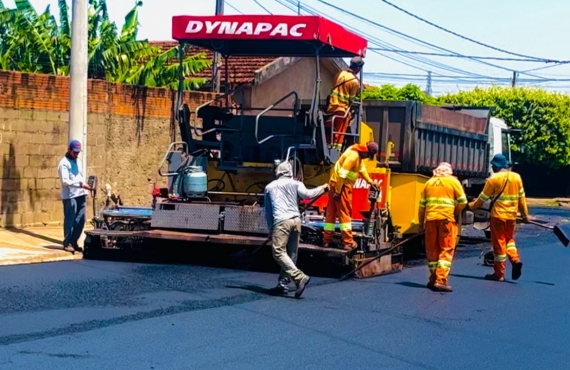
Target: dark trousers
(73, 220)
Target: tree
(391, 92)
(543, 117)
(36, 43)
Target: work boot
(517, 270)
(332, 245)
(494, 277)
(350, 247)
(302, 285)
(442, 288)
(282, 286)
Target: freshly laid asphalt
(122, 315)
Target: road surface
(117, 315)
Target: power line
(374, 40)
(262, 7)
(468, 78)
(470, 39)
(401, 34)
(233, 7)
(457, 56)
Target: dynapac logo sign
(245, 28)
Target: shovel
(560, 234)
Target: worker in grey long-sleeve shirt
(284, 222)
(73, 193)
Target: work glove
(525, 220)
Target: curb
(39, 259)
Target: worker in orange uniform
(506, 189)
(344, 91)
(441, 201)
(345, 173)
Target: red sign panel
(241, 30)
(360, 200)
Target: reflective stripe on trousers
(440, 237)
(342, 209)
(504, 247)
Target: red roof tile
(240, 69)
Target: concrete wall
(299, 77)
(129, 129)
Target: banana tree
(36, 43)
(163, 70)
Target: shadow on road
(257, 289)
(478, 278)
(410, 284)
(543, 283)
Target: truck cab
(499, 139)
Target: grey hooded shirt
(282, 196)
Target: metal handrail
(295, 112)
(333, 132)
(193, 126)
(168, 151)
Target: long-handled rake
(560, 234)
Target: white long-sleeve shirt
(71, 177)
(282, 199)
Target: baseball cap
(500, 161)
(372, 149)
(356, 62)
(75, 145)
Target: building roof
(240, 69)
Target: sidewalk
(34, 245)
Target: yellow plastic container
(405, 191)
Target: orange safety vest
(507, 205)
(344, 90)
(349, 174)
(440, 196)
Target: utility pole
(514, 81)
(428, 84)
(78, 77)
(215, 69)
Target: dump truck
(414, 138)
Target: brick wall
(129, 130)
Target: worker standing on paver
(506, 192)
(74, 192)
(441, 201)
(345, 173)
(344, 91)
(284, 222)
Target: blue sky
(529, 27)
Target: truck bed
(426, 135)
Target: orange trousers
(440, 238)
(341, 208)
(340, 126)
(502, 238)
